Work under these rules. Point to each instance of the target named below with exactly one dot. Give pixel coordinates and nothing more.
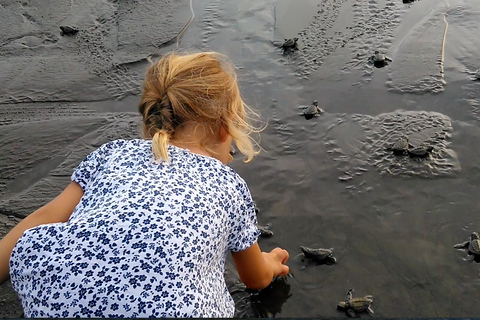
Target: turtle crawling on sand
(265, 231)
(379, 60)
(68, 30)
(477, 75)
(352, 306)
(312, 110)
(289, 45)
(420, 151)
(400, 146)
(472, 245)
(319, 255)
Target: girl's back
(147, 239)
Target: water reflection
(267, 303)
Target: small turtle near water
(352, 306)
(420, 151)
(472, 245)
(68, 30)
(400, 147)
(319, 255)
(289, 45)
(477, 75)
(265, 231)
(312, 110)
(379, 60)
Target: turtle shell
(420, 151)
(360, 304)
(290, 43)
(311, 110)
(67, 30)
(357, 304)
(265, 231)
(378, 57)
(474, 246)
(400, 146)
(317, 254)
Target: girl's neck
(188, 136)
(192, 147)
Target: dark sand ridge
(326, 182)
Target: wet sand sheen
(326, 182)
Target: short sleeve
(244, 231)
(90, 166)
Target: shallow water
(326, 182)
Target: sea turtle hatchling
(400, 146)
(319, 255)
(420, 151)
(352, 306)
(477, 75)
(265, 231)
(312, 110)
(379, 60)
(68, 30)
(290, 45)
(472, 245)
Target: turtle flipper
(462, 245)
(351, 313)
(349, 296)
(370, 311)
(470, 257)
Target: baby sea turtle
(472, 245)
(477, 75)
(379, 59)
(400, 146)
(289, 45)
(352, 306)
(68, 30)
(265, 231)
(319, 255)
(420, 151)
(312, 110)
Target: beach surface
(325, 182)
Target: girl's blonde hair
(200, 88)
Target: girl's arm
(257, 269)
(57, 210)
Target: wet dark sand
(326, 182)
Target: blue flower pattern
(147, 239)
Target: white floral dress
(148, 239)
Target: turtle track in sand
(113, 34)
(426, 43)
(374, 23)
(371, 27)
(209, 23)
(359, 142)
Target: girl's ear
(223, 133)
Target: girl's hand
(277, 259)
(257, 269)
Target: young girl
(144, 228)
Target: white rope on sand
(177, 37)
(443, 43)
(188, 23)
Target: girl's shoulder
(124, 145)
